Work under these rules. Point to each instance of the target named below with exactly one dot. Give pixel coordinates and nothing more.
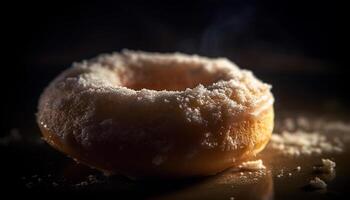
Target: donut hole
(171, 77)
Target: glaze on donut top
(153, 114)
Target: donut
(156, 115)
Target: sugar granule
(317, 183)
(252, 165)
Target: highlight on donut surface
(154, 115)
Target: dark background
(295, 46)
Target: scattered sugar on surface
(298, 168)
(82, 184)
(291, 124)
(35, 181)
(303, 143)
(303, 136)
(318, 183)
(328, 166)
(280, 174)
(296, 137)
(90, 180)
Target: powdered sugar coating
(106, 99)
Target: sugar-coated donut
(152, 115)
